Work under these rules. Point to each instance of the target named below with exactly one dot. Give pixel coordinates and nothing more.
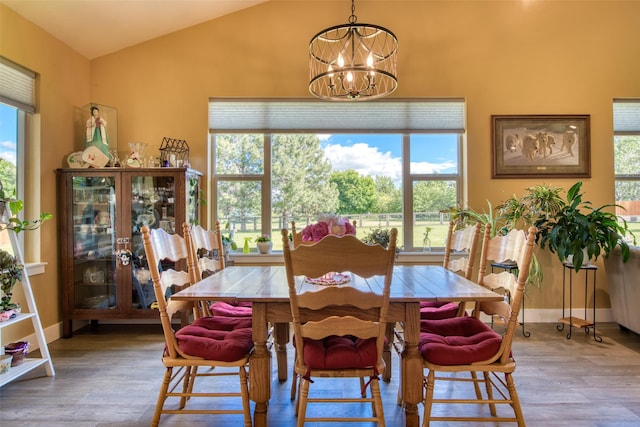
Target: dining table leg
(386, 352)
(260, 365)
(411, 366)
(281, 335)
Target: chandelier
(353, 61)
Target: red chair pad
(216, 338)
(340, 353)
(457, 341)
(238, 309)
(433, 310)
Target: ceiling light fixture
(353, 62)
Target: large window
(626, 144)
(387, 178)
(17, 99)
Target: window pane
(300, 178)
(627, 155)
(239, 154)
(628, 197)
(429, 199)
(367, 173)
(434, 154)
(8, 147)
(239, 205)
(8, 159)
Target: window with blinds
(391, 163)
(626, 149)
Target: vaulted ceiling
(99, 27)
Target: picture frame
(531, 146)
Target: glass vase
(426, 245)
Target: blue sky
(380, 154)
(8, 133)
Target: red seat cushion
(340, 353)
(237, 309)
(435, 310)
(457, 341)
(216, 338)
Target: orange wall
(63, 82)
(503, 57)
(516, 57)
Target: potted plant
(228, 242)
(380, 236)
(10, 274)
(579, 232)
(264, 244)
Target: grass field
(437, 234)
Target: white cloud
(8, 151)
(369, 161)
(365, 160)
(426, 167)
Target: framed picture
(532, 146)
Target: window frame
(626, 123)
(408, 180)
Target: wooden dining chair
(339, 329)
(202, 244)
(451, 347)
(493, 251)
(462, 244)
(209, 249)
(296, 236)
(208, 342)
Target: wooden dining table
(266, 288)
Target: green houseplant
(15, 207)
(579, 230)
(263, 243)
(10, 268)
(10, 274)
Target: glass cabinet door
(153, 203)
(94, 219)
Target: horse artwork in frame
(527, 146)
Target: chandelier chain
(353, 18)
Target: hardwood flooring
(110, 377)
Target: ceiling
(99, 27)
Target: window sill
(35, 268)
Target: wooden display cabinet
(101, 212)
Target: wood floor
(110, 377)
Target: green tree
(433, 196)
(300, 177)
(357, 194)
(388, 196)
(7, 176)
(240, 154)
(627, 162)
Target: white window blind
(17, 86)
(626, 116)
(296, 115)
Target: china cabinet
(104, 273)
